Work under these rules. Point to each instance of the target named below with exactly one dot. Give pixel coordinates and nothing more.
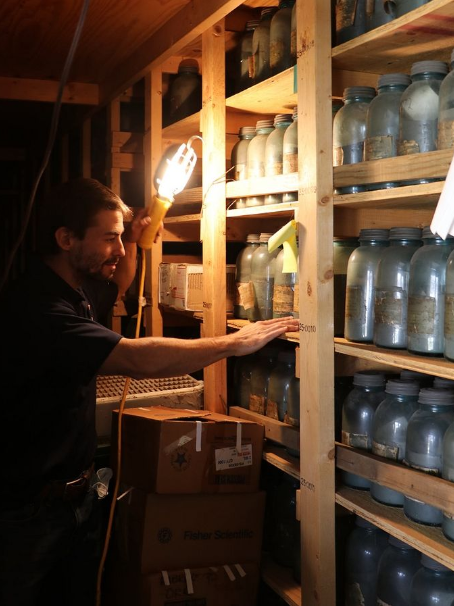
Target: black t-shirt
(51, 347)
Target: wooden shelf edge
(272, 210)
(236, 324)
(422, 196)
(278, 457)
(275, 431)
(392, 520)
(182, 219)
(281, 581)
(261, 186)
(397, 358)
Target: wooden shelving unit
(279, 457)
(281, 580)
(236, 324)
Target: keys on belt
(69, 491)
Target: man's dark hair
(74, 205)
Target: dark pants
(49, 552)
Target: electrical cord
(50, 141)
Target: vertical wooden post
(213, 208)
(316, 303)
(64, 158)
(113, 124)
(152, 150)
(86, 148)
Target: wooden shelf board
(274, 430)
(262, 186)
(182, 129)
(408, 196)
(397, 358)
(281, 581)
(279, 457)
(392, 520)
(235, 324)
(182, 219)
(424, 33)
(272, 210)
(273, 96)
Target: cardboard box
(172, 451)
(169, 532)
(166, 271)
(228, 585)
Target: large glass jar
(238, 158)
(185, 91)
(265, 361)
(280, 37)
(357, 417)
(396, 570)
(389, 431)
(383, 120)
(424, 446)
(391, 287)
(449, 309)
(242, 377)
(279, 385)
(432, 584)
(350, 19)
(285, 523)
(365, 546)
(256, 157)
(382, 13)
(244, 54)
(262, 278)
(446, 110)
(290, 154)
(447, 472)
(360, 291)
(244, 290)
(343, 248)
(293, 405)
(261, 46)
(405, 6)
(274, 151)
(283, 291)
(426, 295)
(349, 130)
(419, 108)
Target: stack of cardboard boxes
(189, 530)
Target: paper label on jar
(345, 13)
(283, 299)
(251, 66)
(291, 421)
(356, 440)
(408, 147)
(272, 410)
(433, 471)
(338, 156)
(296, 298)
(246, 295)
(355, 308)
(445, 134)
(384, 450)
(389, 308)
(231, 458)
(382, 603)
(273, 169)
(449, 315)
(257, 404)
(290, 163)
(277, 52)
(354, 595)
(421, 315)
(376, 148)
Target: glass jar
(274, 151)
(357, 417)
(264, 363)
(405, 6)
(446, 111)
(398, 565)
(448, 328)
(350, 19)
(242, 377)
(424, 446)
(260, 62)
(382, 12)
(349, 130)
(343, 248)
(389, 431)
(293, 37)
(293, 404)
(185, 91)
(360, 290)
(256, 157)
(244, 54)
(447, 472)
(420, 377)
(238, 158)
(283, 290)
(365, 545)
(432, 584)
(244, 298)
(419, 109)
(391, 287)
(262, 278)
(383, 120)
(442, 383)
(280, 37)
(286, 525)
(279, 385)
(290, 154)
(426, 295)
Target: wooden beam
(27, 89)
(214, 219)
(86, 148)
(192, 21)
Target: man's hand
(134, 229)
(254, 336)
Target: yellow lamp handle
(157, 211)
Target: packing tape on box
(229, 572)
(240, 570)
(185, 438)
(198, 437)
(239, 428)
(189, 585)
(165, 577)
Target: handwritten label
(231, 458)
(308, 485)
(307, 327)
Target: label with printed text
(355, 308)
(356, 440)
(376, 148)
(384, 450)
(445, 134)
(421, 315)
(283, 299)
(257, 404)
(246, 294)
(272, 410)
(449, 315)
(231, 458)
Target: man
(53, 347)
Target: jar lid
(432, 564)
(278, 118)
(264, 124)
(188, 66)
(295, 113)
(247, 130)
(373, 234)
(399, 79)
(412, 375)
(440, 397)
(264, 237)
(362, 523)
(253, 238)
(441, 383)
(369, 378)
(286, 3)
(402, 387)
(429, 235)
(405, 233)
(400, 544)
(359, 91)
(266, 11)
(421, 67)
(251, 25)
(288, 357)
(347, 240)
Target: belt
(69, 491)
